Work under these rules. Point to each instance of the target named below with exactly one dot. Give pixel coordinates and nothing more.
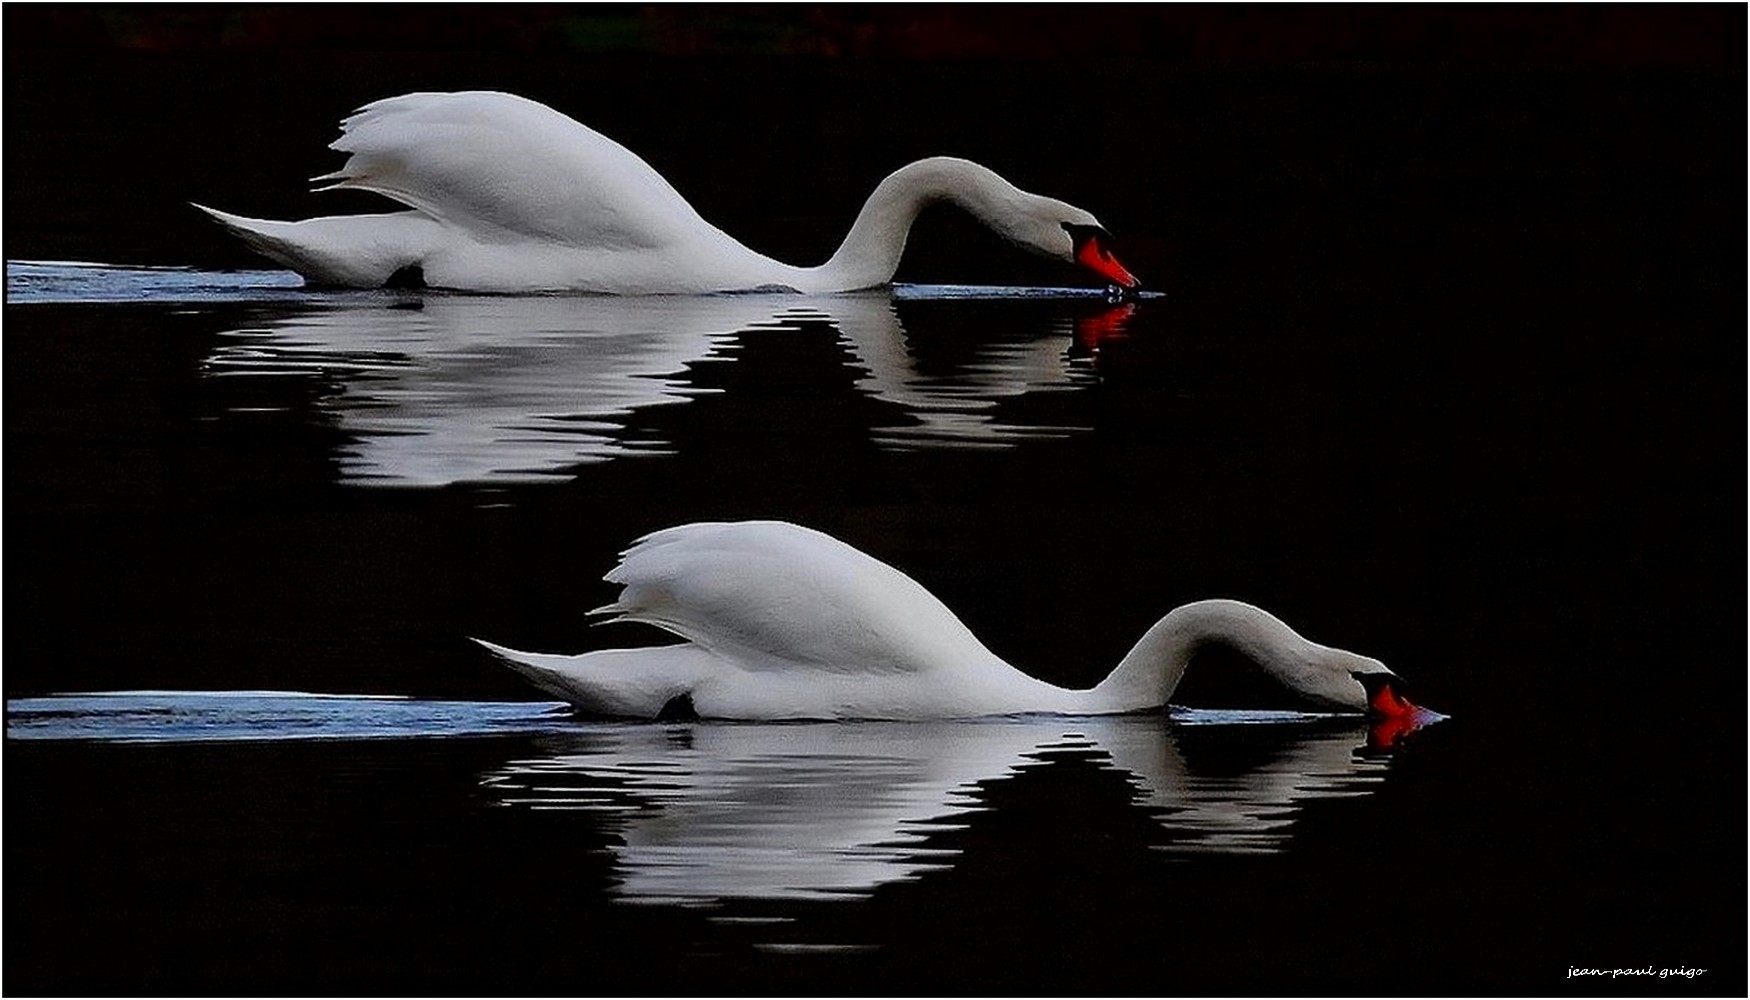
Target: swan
(785, 622)
(505, 194)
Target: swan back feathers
(773, 596)
(486, 161)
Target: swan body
(784, 622)
(505, 194)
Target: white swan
(783, 622)
(508, 195)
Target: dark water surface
(1448, 371)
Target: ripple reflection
(714, 812)
(710, 812)
(438, 388)
(445, 389)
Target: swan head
(1360, 683)
(1324, 674)
(1091, 247)
(1064, 232)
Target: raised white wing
(483, 160)
(771, 596)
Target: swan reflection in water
(711, 812)
(439, 389)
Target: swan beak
(1392, 715)
(1385, 700)
(1096, 256)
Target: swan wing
(491, 162)
(767, 595)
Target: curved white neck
(871, 250)
(1147, 675)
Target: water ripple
(709, 812)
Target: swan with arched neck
(784, 622)
(505, 194)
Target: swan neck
(872, 248)
(1149, 673)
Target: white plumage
(783, 622)
(507, 195)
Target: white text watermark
(1649, 971)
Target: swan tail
(539, 669)
(351, 251)
(617, 683)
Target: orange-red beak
(1093, 254)
(1386, 701)
(1392, 715)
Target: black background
(1451, 359)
